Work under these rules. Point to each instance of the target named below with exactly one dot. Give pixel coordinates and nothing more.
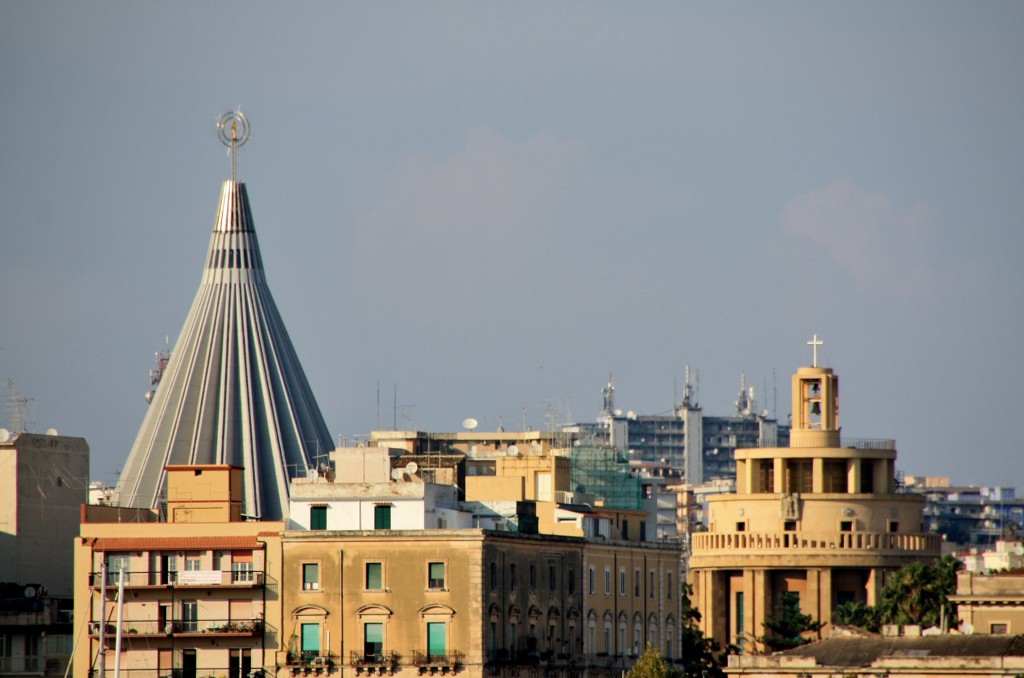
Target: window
(834, 480)
(512, 577)
(789, 526)
(846, 526)
(740, 614)
(636, 582)
(643, 530)
(552, 578)
(668, 587)
(622, 638)
(798, 475)
(374, 577)
(650, 585)
(492, 640)
(998, 629)
(625, 529)
(310, 639)
(193, 562)
(741, 526)
(607, 638)
(382, 517)
(893, 526)
(373, 640)
(437, 639)
(766, 477)
(607, 580)
(116, 562)
(572, 581)
(622, 581)
(533, 577)
(318, 517)
(189, 616)
(512, 627)
(310, 576)
(867, 476)
(592, 586)
(242, 567)
(435, 576)
(239, 663)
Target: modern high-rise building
(822, 518)
(699, 447)
(233, 390)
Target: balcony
(433, 663)
(812, 543)
(385, 662)
(310, 663)
(146, 579)
(147, 629)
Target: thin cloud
(878, 241)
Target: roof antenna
(233, 130)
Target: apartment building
(200, 589)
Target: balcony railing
(707, 543)
(182, 578)
(149, 628)
(383, 662)
(450, 661)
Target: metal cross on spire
(233, 130)
(814, 343)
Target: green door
(437, 639)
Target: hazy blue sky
(495, 205)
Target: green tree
(787, 626)
(652, 665)
(857, 614)
(702, 657)
(919, 594)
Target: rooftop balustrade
(804, 543)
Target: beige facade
(201, 592)
(428, 600)
(43, 482)
(990, 603)
(821, 518)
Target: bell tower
(815, 404)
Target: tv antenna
(233, 131)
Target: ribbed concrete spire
(233, 391)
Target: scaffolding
(602, 472)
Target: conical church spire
(233, 391)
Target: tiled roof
(851, 652)
(175, 543)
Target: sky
(483, 209)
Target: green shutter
(436, 641)
(374, 632)
(311, 638)
(382, 517)
(318, 517)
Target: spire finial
(233, 130)
(814, 343)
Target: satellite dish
(397, 474)
(577, 443)
(30, 592)
(51, 432)
(5, 435)
(149, 395)
(617, 412)
(412, 467)
(470, 424)
(631, 414)
(513, 450)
